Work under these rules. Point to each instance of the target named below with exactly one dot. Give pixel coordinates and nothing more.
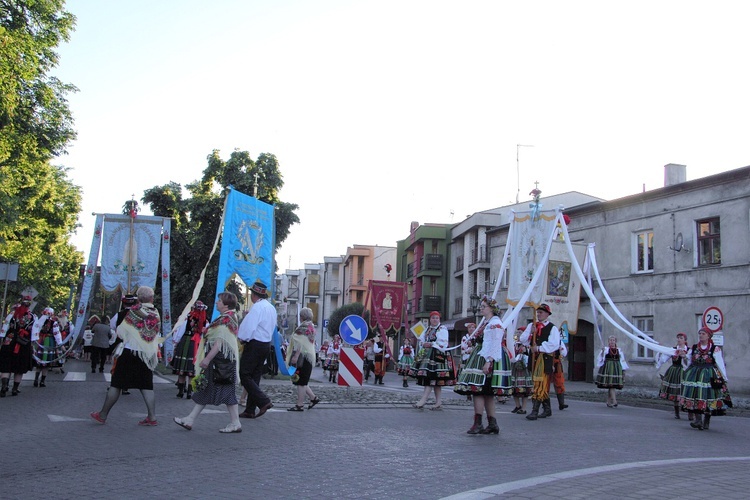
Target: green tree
(337, 316)
(196, 218)
(39, 205)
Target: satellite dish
(679, 244)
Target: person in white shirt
(256, 334)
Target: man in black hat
(256, 333)
(543, 338)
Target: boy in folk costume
(543, 339)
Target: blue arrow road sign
(353, 329)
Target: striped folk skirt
(472, 379)
(610, 374)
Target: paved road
(380, 447)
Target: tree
(196, 218)
(337, 316)
(39, 205)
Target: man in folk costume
(543, 338)
(45, 337)
(139, 332)
(15, 352)
(256, 333)
(381, 358)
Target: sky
(384, 112)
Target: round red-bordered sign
(713, 319)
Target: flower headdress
(492, 303)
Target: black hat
(259, 288)
(545, 308)
(129, 300)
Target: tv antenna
(518, 169)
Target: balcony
(430, 265)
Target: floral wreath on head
(492, 303)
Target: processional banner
(130, 252)
(562, 287)
(532, 232)
(386, 304)
(247, 243)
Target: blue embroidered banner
(247, 242)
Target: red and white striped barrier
(350, 367)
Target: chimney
(414, 226)
(674, 174)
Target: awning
(458, 324)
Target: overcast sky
(386, 112)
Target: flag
(562, 287)
(531, 234)
(130, 252)
(386, 304)
(247, 243)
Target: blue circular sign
(353, 329)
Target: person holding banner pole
(543, 339)
(256, 333)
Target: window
(709, 242)
(643, 252)
(646, 325)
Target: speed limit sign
(713, 319)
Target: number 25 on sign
(713, 318)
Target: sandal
(313, 403)
(148, 422)
(437, 408)
(296, 408)
(182, 424)
(418, 407)
(231, 429)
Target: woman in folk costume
(301, 353)
(405, 360)
(186, 339)
(219, 342)
(611, 363)
(520, 375)
(45, 337)
(487, 372)
(332, 358)
(15, 352)
(671, 381)
(433, 368)
(134, 369)
(704, 385)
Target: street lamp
(474, 298)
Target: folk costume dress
(303, 340)
(671, 383)
(434, 365)
(187, 339)
(488, 341)
(405, 359)
(46, 337)
(520, 375)
(139, 332)
(611, 363)
(698, 393)
(15, 353)
(222, 330)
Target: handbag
(222, 370)
(717, 382)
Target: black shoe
(36, 383)
(42, 384)
(126, 392)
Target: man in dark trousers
(256, 333)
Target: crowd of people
(210, 359)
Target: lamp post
(474, 298)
